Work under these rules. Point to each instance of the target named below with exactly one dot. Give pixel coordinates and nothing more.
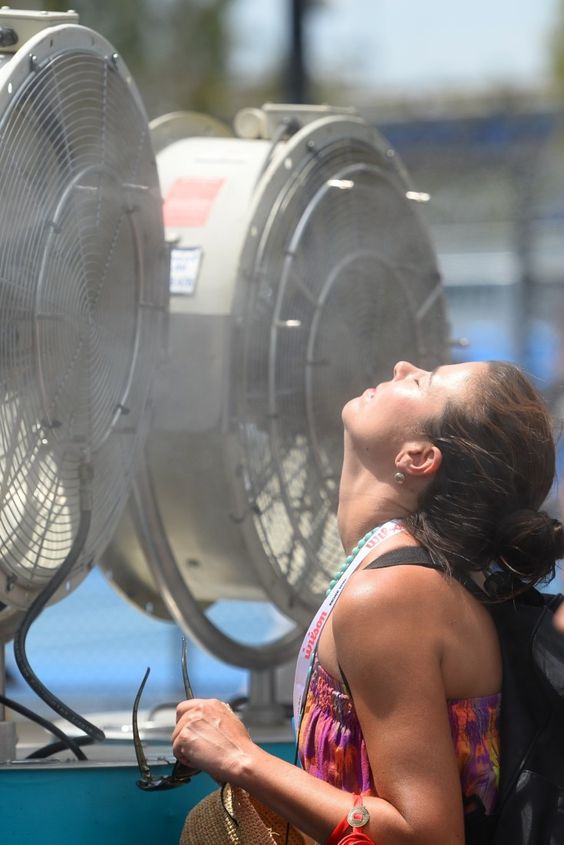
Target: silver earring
(399, 477)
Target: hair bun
(529, 542)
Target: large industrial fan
(83, 291)
(300, 272)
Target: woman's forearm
(313, 806)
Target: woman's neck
(362, 507)
(369, 496)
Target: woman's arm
(390, 627)
(395, 677)
(210, 737)
(559, 618)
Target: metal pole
(8, 736)
(263, 708)
(524, 175)
(2, 678)
(297, 76)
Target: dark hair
(498, 466)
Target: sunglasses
(180, 774)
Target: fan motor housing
(18, 26)
(300, 272)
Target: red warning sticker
(189, 202)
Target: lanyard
(307, 650)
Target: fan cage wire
(292, 468)
(81, 279)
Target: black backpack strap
(418, 556)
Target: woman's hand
(210, 737)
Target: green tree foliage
(176, 50)
(557, 50)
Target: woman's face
(387, 415)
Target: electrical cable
(55, 747)
(66, 712)
(66, 741)
(285, 129)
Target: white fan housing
(300, 272)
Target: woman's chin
(349, 409)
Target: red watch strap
(338, 832)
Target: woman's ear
(419, 458)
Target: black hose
(36, 607)
(285, 129)
(55, 747)
(66, 741)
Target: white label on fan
(184, 268)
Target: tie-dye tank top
(331, 745)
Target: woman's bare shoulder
(404, 588)
(387, 610)
(409, 613)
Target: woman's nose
(403, 369)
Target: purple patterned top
(331, 745)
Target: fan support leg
(7, 729)
(262, 708)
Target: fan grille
(81, 290)
(344, 284)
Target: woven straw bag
(228, 816)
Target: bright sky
(409, 46)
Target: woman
(404, 696)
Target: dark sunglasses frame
(180, 774)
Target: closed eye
(432, 375)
